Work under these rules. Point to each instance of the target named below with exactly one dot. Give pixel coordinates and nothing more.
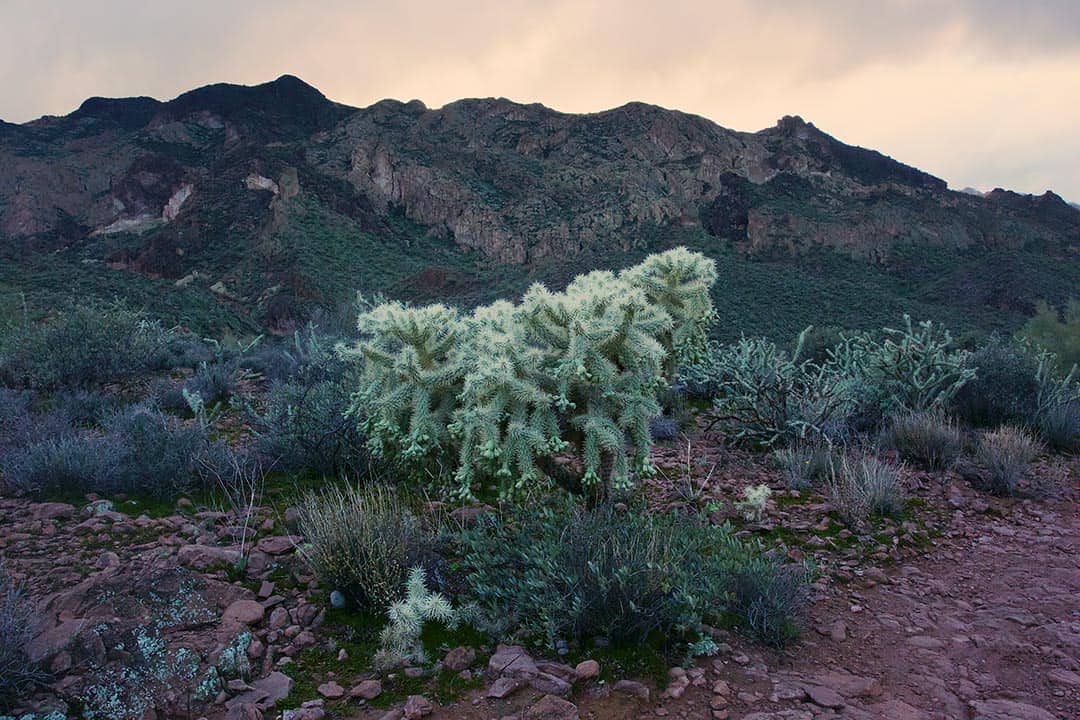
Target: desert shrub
(181, 349)
(498, 392)
(766, 398)
(86, 408)
(80, 347)
(363, 543)
(17, 626)
(304, 426)
(214, 382)
(863, 486)
(563, 572)
(769, 596)
(1057, 333)
(908, 370)
(807, 463)
(138, 450)
(1004, 387)
(1059, 427)
(1004, 455)
(926, 438)
(663, 429)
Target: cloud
(977, 91)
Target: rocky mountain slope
(252, 206)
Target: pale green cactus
(503, 389)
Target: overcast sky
(980, 92)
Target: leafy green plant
(561, 572)
(1004, 455)
(497, 393)
(1004, 388)
(80, 347)
(928, 439)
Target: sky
(983, 93)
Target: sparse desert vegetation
(580, 475)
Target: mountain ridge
(267, 198)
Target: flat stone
(511, 661)
(550, 707)
(632, 687)
(278, 545)
(52, 511)
(367, 689)
(331, 690)
(245, 612)
(277, 686)
(1001, 709)
(824, 696)
(417, 706)
(1061, 676)
(504, 687)
(587, 669)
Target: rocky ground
(968, 608)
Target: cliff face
(228, 173)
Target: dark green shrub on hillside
(927, 439)
(81, 347)
(564, 572)
(17, 627)
(1005, 386)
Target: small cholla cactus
(401, 637)
(755, 498)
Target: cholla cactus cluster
(509, 385)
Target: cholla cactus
(412, 373)
(400, 639)
(916, 368)
(510, 384)
(755, 499)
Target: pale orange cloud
(980, 92)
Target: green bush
(1005, 386)
(1054, 332)
(766, 398)
(1004, 455)
(81, 347)
(363, 543)
(17, 626)
(863, 486)
(496, 393)
(927, 439)
(563, 572)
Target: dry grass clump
(1004, 455)
(927, 439)
(865, 485)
